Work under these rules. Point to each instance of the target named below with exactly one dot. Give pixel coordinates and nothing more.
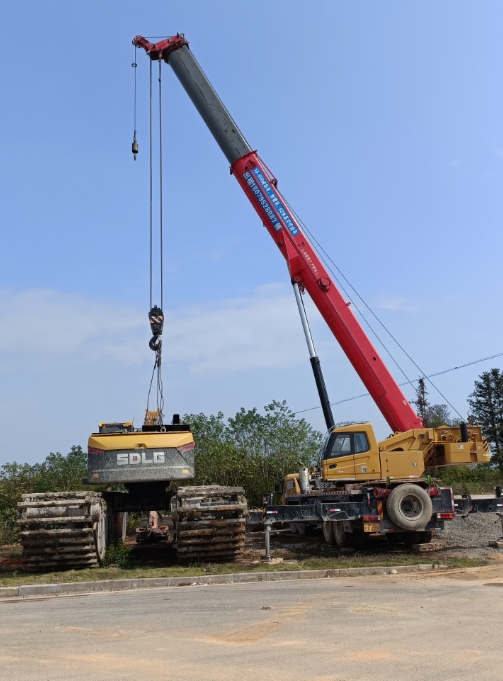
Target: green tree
(433, 415)
(61, 473)
(439, 415)
(421, 401)
(486, 405)
(57, 473)
(252, 449)
(15, 479)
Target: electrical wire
(348, 295)
(438, 373)
(160, 181)
(311, 235)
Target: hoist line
(159, 387)
(155, 314)
(151, 181)
(151, 381)
(134, 65)
(160, 181)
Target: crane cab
(350, 452)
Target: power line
(372, 312)
(348, 295)
(438, 373)
(305, 228)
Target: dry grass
(159, 562)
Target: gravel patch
(477, 530)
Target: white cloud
(395, 304)
(41, 326)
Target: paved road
(380, 628)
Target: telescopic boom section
(305, 268)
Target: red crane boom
(304, 266)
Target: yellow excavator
(74, 529)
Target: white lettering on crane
(135, 458)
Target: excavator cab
(116, 427)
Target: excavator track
(210, 522)
(62, 529)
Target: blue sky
(383, 122)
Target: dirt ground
(436, 625)
(463, 539)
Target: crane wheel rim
(411, 507)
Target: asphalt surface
(390, 628)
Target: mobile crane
(360, 485)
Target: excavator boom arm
(304, 266)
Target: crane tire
(425, 537)
(346, 540)
(340, 537)
(409, 507)
(328, 532)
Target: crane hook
(156, 319)
(134, 146)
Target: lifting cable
(151, 184)
(160, 179)
(134, 146)
(156, 316)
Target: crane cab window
(343, 444)
(361, 443)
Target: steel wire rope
(160, 182)
(371, 312)
(151, 185)
(438, 373)
(152, 379)
(158, 354)
(134, 65)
